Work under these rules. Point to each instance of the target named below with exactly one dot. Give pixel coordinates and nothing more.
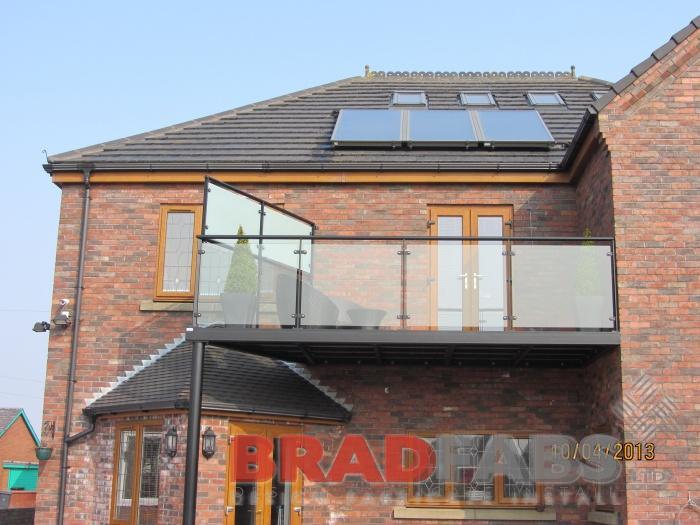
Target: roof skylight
(544, 98)
(409, 98)
(597, 95)
(481, 98)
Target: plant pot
(239, 308)
(43, 453)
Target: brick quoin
(652, 133)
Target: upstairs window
(409, 98)
(481, 98)
(177, 247)
(544, 98)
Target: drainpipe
(68, 420)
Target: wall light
(171, 442)
(208, 443)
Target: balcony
(267, 284)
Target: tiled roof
(7, 416)
(293, 131)
(233, 381)
(641, 68)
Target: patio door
(267, 502)
(469, 278)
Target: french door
(469, 278)
(266, 502)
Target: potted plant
(240, 289)
(589, 301)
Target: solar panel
(513, 128)
(367, 127)
(440, 126)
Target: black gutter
(150, 407)
(68, 420)
(554, 166)
(89, 430)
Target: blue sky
(79, 73)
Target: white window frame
(530, 98)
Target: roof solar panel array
(441, 127)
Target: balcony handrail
(400, 238)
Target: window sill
(605, 517)
(501, 514)
(164, 306)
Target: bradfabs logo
(410, 459)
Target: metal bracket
(403, 316)
(302, 252)
(403, 252)
(613, 318)
(609, 254)
(201, 252)
(300, 316)
(509, 318)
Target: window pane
(468, 484)
(519, 484)
(412, 98)
(491, 275)
(177, 265)
(477, 99)
(431, 487)
(125, 474)
(544, 98)
(148, 493)
(450, 284)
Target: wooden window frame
(499, 500)
(165, 209)
(269, 430)
(138, 427)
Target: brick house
(494, 256)
(17, 443)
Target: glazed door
(267, 502)
(469, 278)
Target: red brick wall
(16, 444)
(594, 191)
(652, 133)
(450, 400)
(120, 269)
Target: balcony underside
(551, 349)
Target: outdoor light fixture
(171, 442)
(41, 326)
(62, 320)
(208, 443)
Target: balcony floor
(551, 349)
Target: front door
(469, 278)
(268, 502)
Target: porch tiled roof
(233, 382)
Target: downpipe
(68, 418)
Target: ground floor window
(466, 474)
(136, 473)
(267, 502)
